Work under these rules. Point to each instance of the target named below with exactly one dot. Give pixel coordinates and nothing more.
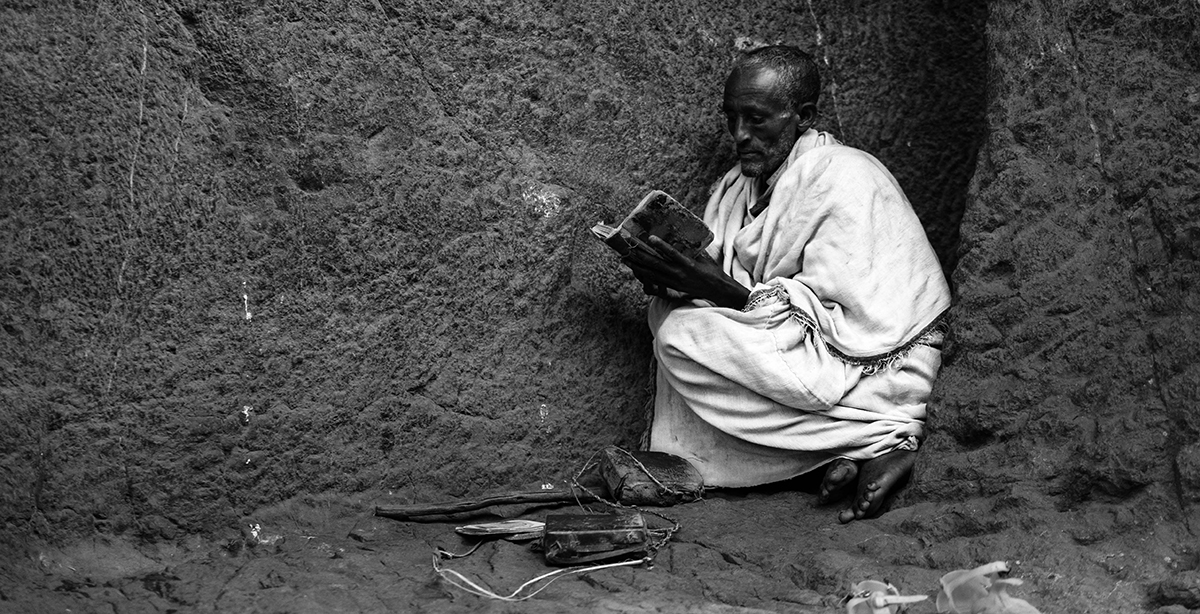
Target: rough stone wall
(257, 249)
(1075, 370)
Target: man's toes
(864, 499)
(840, 473)
(838, 477)
(880, 476)
(876, 479)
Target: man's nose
(739, 132)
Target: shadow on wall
(906, 83)
(909, 85)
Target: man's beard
(754, 169)
(769, 162)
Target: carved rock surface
(1076, 366)
(257, 250)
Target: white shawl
(842, 240)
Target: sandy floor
(737, 552)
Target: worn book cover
(662, 216)
(572, 539)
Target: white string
(446, 554)
(453, 577)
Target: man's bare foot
(876, 479)
(839, 476)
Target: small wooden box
(572, 539)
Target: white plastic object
(981, 591)
(962, 588)
(998, 601)
(874, 597)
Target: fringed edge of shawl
(931, 335)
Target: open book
(662, 216)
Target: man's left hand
(698, 276)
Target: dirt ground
(763, 550)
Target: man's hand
(699, 277)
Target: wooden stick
(414, 510)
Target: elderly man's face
(761, 119)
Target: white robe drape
(835, 355)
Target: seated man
(808, 335)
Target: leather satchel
(649, 478)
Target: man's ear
(806, 115)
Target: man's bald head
(797, 71)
